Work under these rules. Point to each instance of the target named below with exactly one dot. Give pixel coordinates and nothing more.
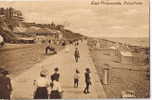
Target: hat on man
(88, 70)
(56, 69)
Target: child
(76, 78)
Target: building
(126, 57)
(11, 13)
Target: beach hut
(97, 44)
(140, 59)
(126, 57)
(111, 51)
(114, 51)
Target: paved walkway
(23, 84)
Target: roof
(112, 47)
(29, 38)
(126, 53)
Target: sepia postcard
(74, 49)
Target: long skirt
(4, 95)
(41, 93)
(55, 95)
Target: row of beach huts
(127, 54)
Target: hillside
(13, 27)
(6, 32)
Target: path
(23, 84)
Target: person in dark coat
(55, 75)
(76, 54)
(5, 85)
(87, 81)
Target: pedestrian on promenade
(76, 78)
(76, 55)
(76, 43)
(41, 86)
(48, 47)
(87, 81)
(56, 91)
(63, 43)
(5, 85)
(55, 75)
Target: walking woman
(56, 92)
(5, 85)
(87, 81)
(41, 86)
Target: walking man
(76, 55)
(87, 81)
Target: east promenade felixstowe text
(108, 2)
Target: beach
(122, 77)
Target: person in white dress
(56, 91)
(41, 86)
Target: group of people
(51, 89)
(45, 88)
(43, 84)
(76, 75)
(87, 80)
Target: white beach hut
(126, 57)
(111, 51)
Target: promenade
(23, 83)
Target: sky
(90, 20)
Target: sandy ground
(121, 79)
(16, 57)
